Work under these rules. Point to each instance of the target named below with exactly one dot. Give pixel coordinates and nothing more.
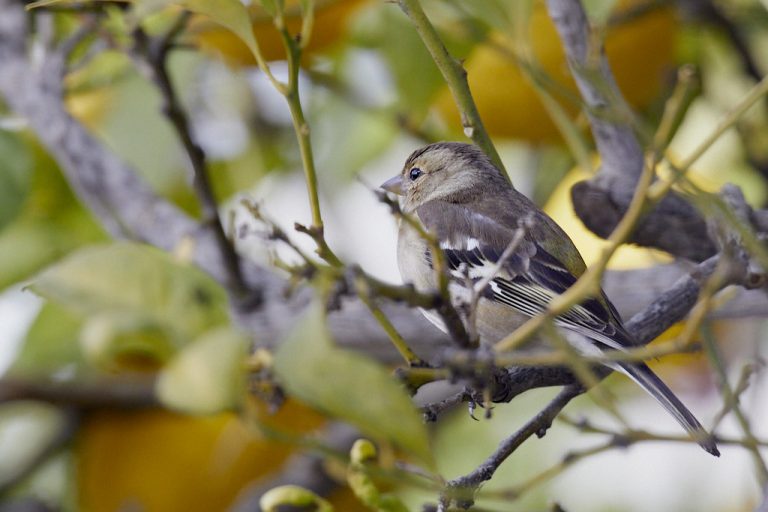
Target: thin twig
(731, 398)
(364, 292)
(462, 490)
(154, 52)
(631, 436)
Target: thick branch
(619, 149)
(121, 200)
(674, 225)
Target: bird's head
(448, 171)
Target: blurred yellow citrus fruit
(560, 208)
(640, 51)
(155, 460)
(329, 26)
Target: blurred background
(372, 95)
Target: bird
(474, 212)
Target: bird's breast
(412, 260)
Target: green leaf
(51, 224)
(599, 11)
(348, 385)
(15, 176)
(270, 6)
(136, 279)
(207, 376)
(351, 149)
(391, 33)
(231, 14)
(30, 244)
(109, 339)
(52, 344)
(26, 431)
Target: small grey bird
(465, 201)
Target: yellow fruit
(640, 52)
(560, 208)
(155, 460)
(329, 25)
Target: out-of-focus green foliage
(206, 376)
(415, 75)
(49, 221)
(135, 300)
(311, 368)
(37, 424)
(15, 171)
(51, 345)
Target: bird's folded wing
(526, 280)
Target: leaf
(391, 33)
(231, 14)
(27, 429)
(293, 497)
(51, 345)
(139, 280)
(270, 6)
(207, 376)
(118, 340)
(51, 224)
(348, 385)
(15, 176)
(28, 245)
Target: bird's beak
(394, 185)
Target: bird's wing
(527, 280)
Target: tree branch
(673, 225)
(153, 53)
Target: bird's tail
(649, 381)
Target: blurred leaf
(598, 11)
(28, 245)
(207, 376)
(229, 177)
(52, 223)
(270, 6)
(499, 14)
(347, 151)
(415, 74)
(118, 339)
(293, 497)
(52, 481)
(26, 430)
(51, 345)
(231, 14)
(15, 171)
(136, 279)
(348, 385)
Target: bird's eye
(415, 173)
